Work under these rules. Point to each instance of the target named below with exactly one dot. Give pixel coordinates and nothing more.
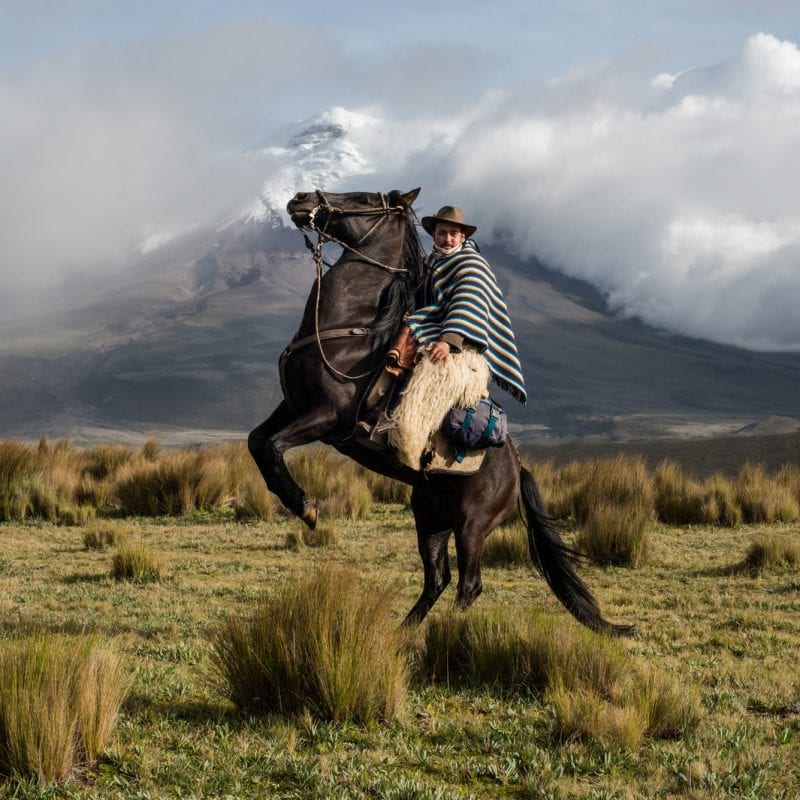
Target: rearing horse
(354, 309)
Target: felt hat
(451, 214)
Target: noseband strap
(323, 236)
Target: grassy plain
(729, 633)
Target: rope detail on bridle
(382, 213)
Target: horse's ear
(408, 198)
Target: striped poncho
(464, 299)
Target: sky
(647, 147)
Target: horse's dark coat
(320, 405)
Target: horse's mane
(401, 293)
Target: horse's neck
(350, 295)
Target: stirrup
(375, 435)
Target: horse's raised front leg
(269, 442)
(432, 541)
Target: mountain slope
(188, 337)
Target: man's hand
(439, 352)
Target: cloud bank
(673, 194)
(678, 198)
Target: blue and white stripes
(466, 300)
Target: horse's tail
(555, 560)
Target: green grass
(704, 628)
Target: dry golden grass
(103, 533)
(706, 627)
(508, 544)
(322, 646)
(703, 627)
(135, 561)
(59, 702)
(773, 551)
(764, 499)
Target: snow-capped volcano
(320, 155)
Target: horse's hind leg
(432, 539)
(479, 516)
(269, 442)
(470, 539)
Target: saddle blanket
(431, 391)
(441, 459)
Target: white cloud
(675, 193)
(676, 197)
(105, 148)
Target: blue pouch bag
(482, 425)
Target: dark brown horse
(354, 309)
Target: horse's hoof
(310, 513)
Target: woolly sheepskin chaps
(432, 390)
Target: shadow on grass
(191, 711)
(783, 710)
(86, 577)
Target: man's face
(447, 236)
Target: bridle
(383, 213)
(323, 236)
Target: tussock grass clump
(772, 551)
(647, 705)
(41, 481)
(615, 534)
(763, 499)
(595, 690)
(321, 536)
(59, 701)
(682, 500)
(719, 503)
(585, 714)
(136, 562)
(678, 498)
(252, 499)
(104, 461)
(789, 476)
(622, 481)
(560, 487)
(341, 491)
(151, 449)
(512, 650)
(294, 540)
(322, 645)
(303, 536)
(507, 544)
(16, 466)
(668, 708)
(101, 534)
(176, 483)
(614, 505)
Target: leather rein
(323, 236)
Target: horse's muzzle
(300, 207)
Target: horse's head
(348, 216)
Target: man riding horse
(464, 304)
(340, 347)
(463, 313)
